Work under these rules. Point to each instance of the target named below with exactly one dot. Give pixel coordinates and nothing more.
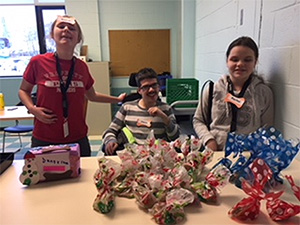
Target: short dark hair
(145, 73)
(243, 41)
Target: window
(47, 14)
(23, 34)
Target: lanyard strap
(234, 109)
(64, 86)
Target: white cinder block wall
(280, 38)
(274, 25)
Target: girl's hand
(121, 97)
(212, 144)
(44, 115)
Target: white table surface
(15, 113)
(71, 201)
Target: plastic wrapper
(180, 177)
(104, 177)
(129, 162)
(249, 208)
(157, 176)
(104, 202)
(209, 189)
(144, 197)
(195, 161)
(108, 171)
(218, 176)
(155, 181)
(123, 186)
(171, 211)
(280, 210)
(267, 144)
(179, 197)
(295, 188)
(205, 192)
(163, 214)
(190, 145)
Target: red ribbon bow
(249, 208)
(281, 210)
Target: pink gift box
(50, 163)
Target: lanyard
(64, 86)
(234, 108)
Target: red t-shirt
(41, 71)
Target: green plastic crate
(182, 89)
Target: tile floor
(12, 144)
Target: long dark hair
(243, 41)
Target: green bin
(182, 89)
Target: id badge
(66, 128)
(144, 123)
(238, 102)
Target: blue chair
(17, 129)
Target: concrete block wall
(279, 60)
(217, 24)
(275, 26)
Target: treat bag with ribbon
(216, 179)
(265, 143)
(195, 161)
(171, 211)
(103, 178)
(280, 210)
(249, 208)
